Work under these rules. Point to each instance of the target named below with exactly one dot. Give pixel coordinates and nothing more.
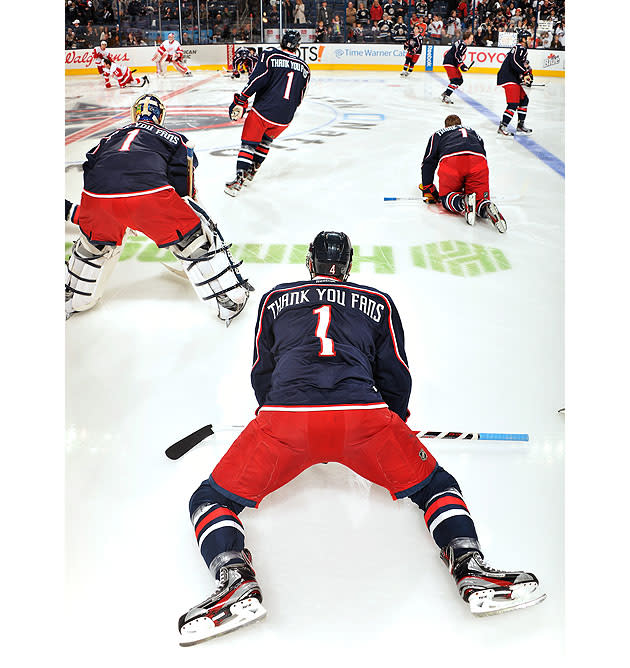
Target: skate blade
(244, 613)
(230, 191)
(470, 217)
(485, 603)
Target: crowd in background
(147, 22)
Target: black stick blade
(187, 443)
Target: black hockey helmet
(522, 34)
(291, 40)
(330, 254)
(148, 108)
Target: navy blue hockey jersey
(138, 157)
(324, 342)
(414, 45)
(514, 66)
(456, 55)
(454, 140)
(279, 83)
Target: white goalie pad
(87, 270)
(210, 267)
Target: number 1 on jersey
(287, 90)
(327, 348)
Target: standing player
(458, 154)
(244, 61)
(454, 64)
(99, 53)
(514, 72)
(414, 48)
(170, 51)
(332, 382)
(123, 75)
(279, 83)
(141, 177)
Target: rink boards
(326, 57)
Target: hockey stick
(190, 155)
(187, 443)
(179, 272)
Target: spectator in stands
(287, 16)
(133, 10)
(273, 17)
(385, 26)
(453, 24)
(71, 14)
(324, 14)
(320, 32)
(559, 33)
(545, 10)
(363, 16)
(389, 11)
(462, 10)
(374, 32)
(435, 30)
(335, 25)
(70, 41)
(351, 16)
(357, 33)
(546, 39)
(422, 9)
(300, 12)
(400, 9)
(481, 35)
(91, 38)
(517, 19)
(186, 39)
(376, 12)
(399, 31)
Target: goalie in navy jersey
(514, 72)
(278, 84)
(244, 61)
(332, 382)
(454, 64)
(413, 47)
(141, 178)
(458, 155)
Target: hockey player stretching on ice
(514, 72)
(141, 177)
(458, 154)
(414, 48)
(332, 382)
(123, 75)
(278, 82)
(454, 65)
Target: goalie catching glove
(238, 107)
(429, 194)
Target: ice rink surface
(347, 574)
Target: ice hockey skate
(522, 130)
(229, 309)
(491, 212)
(232, 187)
(489, 591)
(188, 74)
(236, 602)
(503, 131)
(470, 207)
(404, 73)
(249, 174)
(447, 99)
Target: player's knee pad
(457, 82)
(207, 495)
(512, 106)
(524, 101)
(210, 267)
(87, 269)
(439, 482)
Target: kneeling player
(141, 177)
(458, 154)
(123, 75)
(332, 383)
(244, 61)
(454, 65)
(414, 49)
(514, 72)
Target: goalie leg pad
(210, 267)
(87, 270)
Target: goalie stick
(187, 443)
(190, 155)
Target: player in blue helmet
(515, 72)
(148, 108)
(291, 40)
(330, 254)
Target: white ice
(347, 574)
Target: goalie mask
(330, 254)
(148, 108)
(291, 40)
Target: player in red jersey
(170, 51)
(99, 53)
(123, 75)
(332, 382)
(458, 154)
